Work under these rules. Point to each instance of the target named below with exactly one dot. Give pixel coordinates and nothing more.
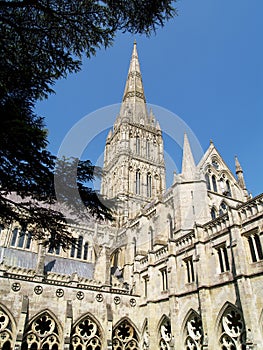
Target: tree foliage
(40, 42)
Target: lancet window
(223, 258)
(214, 183)
(207, 179)
(138, 182)
(86, 335)
(213, 213)
(6, 336)
(149, 185)
(232, 330)
(255, 247)
(125, 337)
(165, 335)
(193, 332)
(42, 333)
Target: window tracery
(5, 331)
(86, 335)
(125, 337)
(194, 332)
(42, 333)
(233, 330)
(165, 335)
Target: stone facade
(178, 269)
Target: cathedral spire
(188, 163)
(133, 108)
(134, 87)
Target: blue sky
(206, 66)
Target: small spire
(240, 176)
(238, 166)
(188, 163)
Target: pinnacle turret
(188, 163)
(240, 176)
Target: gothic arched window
(138, 182)
(207, 179)
(228, 188)
(232, 330)
(165, 335)
(125, 337)
(86, 335)
(223, 208)
(5, 331)
(149, 185)
(213, 213)
(42, 333)
(193, 332)
(147, 149)
(214, 183)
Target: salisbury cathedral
(179, 268)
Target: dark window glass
(14, 237)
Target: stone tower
(134, 168)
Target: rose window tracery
(86, 335)
(5, 331)
(165, 335)
(194, 332)
(233, 330)
(125, 337)
(42, 333)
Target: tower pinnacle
(188, 163)
(240, 176)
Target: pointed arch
(164, 333)
(231, 328)
(43, 331)
(86, 333)
(138, 182)
(125, 335)
(7, 328)
(213, 213)
(192, 331)
(149, 185)
(223, 207)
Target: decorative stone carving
(5, 331)
(86, 335)
(42, 333)
(125, 337)
(233, 332)
(165, 335)
(194, 332)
